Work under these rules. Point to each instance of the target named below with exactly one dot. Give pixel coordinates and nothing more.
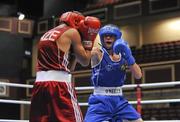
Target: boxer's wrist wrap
(87, 45)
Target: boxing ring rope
(147, 85)
(131, 86)
(86, 104)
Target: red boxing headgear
(72, 18)
(89, 28)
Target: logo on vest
(109, 67)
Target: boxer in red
(53, 98)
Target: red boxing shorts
(54, 100)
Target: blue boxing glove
(121, 46)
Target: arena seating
(168, 113)
(164, 51)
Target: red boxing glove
(89, 28)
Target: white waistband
(111, 91)
(53, 75)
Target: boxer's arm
(82, 56)
(136, 71)
(72, 63)
(70, 42)
(96, 55)
(121, 46)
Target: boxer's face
(109, 40)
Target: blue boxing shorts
(104, 108)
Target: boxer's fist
(89, 28)
(121, 46)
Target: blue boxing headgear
(111, 30)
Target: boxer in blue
(107, 103)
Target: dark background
(39, 8)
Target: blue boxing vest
(109, 73)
